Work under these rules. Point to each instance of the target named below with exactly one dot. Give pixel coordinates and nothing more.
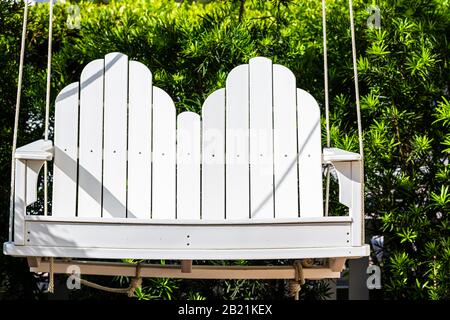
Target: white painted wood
(355, 211)
(91, 140)
(188, 166)
(66, 152)
(176, 174)
(237, 144)
(194, 254)
(37, 150)
(29, 160)
(336, 154)
(33, 169)
(285, 143)
(115, 135)
(348, 173)
(164, 156)
(20, 202)
(139, 141)
(344, 174)
(321, 220)
(204, 237)
(261, 138)
(213, 156)
(310, 158)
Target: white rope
(327, 101)
(325, 71)
(47, 100)
(358, 109)
(16, 118)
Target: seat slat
(285, 143)
(139, 141)
(261, 138)
(237, 144)
(213, 156)
(310, 155)
(188, 166)
(66, 144)
(164, 156)
(115, 135)
(91, 144)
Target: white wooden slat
(237, 147)
(310, 157)
(115, 135)
(130, 222)
(188, 166)
(33, 170)
(20, 199)
(285, 143)
(164, 156)
(191, 254)
(202, 237)
(344, 173)
(91, 144)
(213, 156)
(139, 141)
(355, 211)
(66, 145)
(261, 144)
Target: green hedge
(190, 48)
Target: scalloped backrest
(121, 151)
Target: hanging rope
(358, 110)
(16, 119)
(358, 104)
(135, 283)
(47, 99)
(327, 101)
(51, 280)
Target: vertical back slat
(213, 156)
(310, 155)
(237, 149)
(115, 135)
(90, 144)
(188, 166)
(285, 143)
(261, 144)
(164, 156)
(139, 141)
(66, 145)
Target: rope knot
(296, 285)
(135, 282)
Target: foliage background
(191, 46)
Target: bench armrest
(29, 161)
(348, 170)
(337, 155)
(37, 150)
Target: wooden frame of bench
(188, 271)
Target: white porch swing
(131, 179)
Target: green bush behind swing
(191, 46)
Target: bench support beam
(186, 266)
(176, 271)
